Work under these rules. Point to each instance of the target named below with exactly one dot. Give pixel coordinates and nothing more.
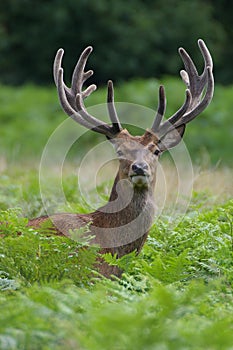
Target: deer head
(138, 155)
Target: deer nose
(140, 168)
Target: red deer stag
(121, 226)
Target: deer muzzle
(139, 173)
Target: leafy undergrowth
(177, 294)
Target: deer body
(113, 232)
(122, 225)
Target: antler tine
(207, 59)
(197, 85)
(64, 102)
(86, 119)
(205, 53)
(72, 98)
(190, 68)
(190, 77)
(111, 108)
(205, 101)
(196, 100)
(161, 109)
(175, 117)
(79, 76)
(57, 67)
(57, 64)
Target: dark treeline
(133, 38)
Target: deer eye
(156, 152)
(120, 153)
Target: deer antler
(199, 92)
(72, 99)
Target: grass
(177, 294)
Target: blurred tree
(137, 38)
(222, 12)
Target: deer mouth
(140, 180)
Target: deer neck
(124, 191)
(122, 225)
(125, 204)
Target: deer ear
(171, 138)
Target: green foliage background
(26, 127)
(177, 294)
(131, 39)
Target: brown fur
(122, 225)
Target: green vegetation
(36, 112)
(131, 39)
(177, 294)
